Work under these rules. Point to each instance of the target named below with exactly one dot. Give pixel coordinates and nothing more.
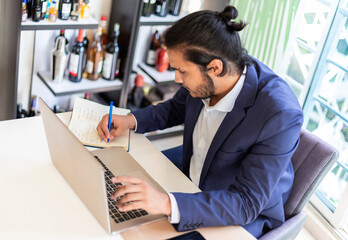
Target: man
(242, 125)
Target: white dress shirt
(205, 129)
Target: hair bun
(230, 13)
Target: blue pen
(110, 116)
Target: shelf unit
(40, 71)
(89, 23)
(67, 87)
(158, 77)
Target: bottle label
(100, 66)
(66, 9)
(74, 64)
(158, 8)
(44, 7)
(89, 66)
(151, 57)
(107, 65)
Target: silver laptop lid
(77, 165)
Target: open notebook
(85, 118)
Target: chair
(312, 160)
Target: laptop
(89, 173)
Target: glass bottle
(95, 58)
(148, 7)
(24, 11)
(64, 9)
(85, 45)
(175, 7)
(111, 57)
(61, 34)
(161, 8)
(104, 35)
(85, 9)
(53, 12)
(30, 7)
(36, 11)
(43, 8)
(151, 53)
(138, 91)
(76, 59)
(162, 62)
(75, 10)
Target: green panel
(268, 26)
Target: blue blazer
(247, 174)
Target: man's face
(198, 83)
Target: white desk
(37, 203)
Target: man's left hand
(139, 194)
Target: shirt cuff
(175, 213)
(136, 122)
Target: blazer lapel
(245, 99)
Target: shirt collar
(226, 104)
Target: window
(316, 68)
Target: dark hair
(207, 35)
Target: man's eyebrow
(177, 69)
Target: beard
(206, 90)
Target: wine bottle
(138, 91)
(76, 59)
(62, 34)
(148, 7)
(75, 10)
(111, 58)
(36, 11)
(43, 8)
(85, 45)
(95, 58)
(161, 8)
(151, 54)
(64, 9)
(175, 7)
(30, 7)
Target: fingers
(127, 189)
(102, 128)
(130, 197)
(130, 206)
(127, 179)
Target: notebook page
(85, 119)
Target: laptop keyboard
(117, 215)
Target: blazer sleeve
(258, 179)
(164, 115)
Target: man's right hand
(119, 124)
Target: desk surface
(37, 203)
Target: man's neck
(223, 86)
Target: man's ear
(216, 66)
